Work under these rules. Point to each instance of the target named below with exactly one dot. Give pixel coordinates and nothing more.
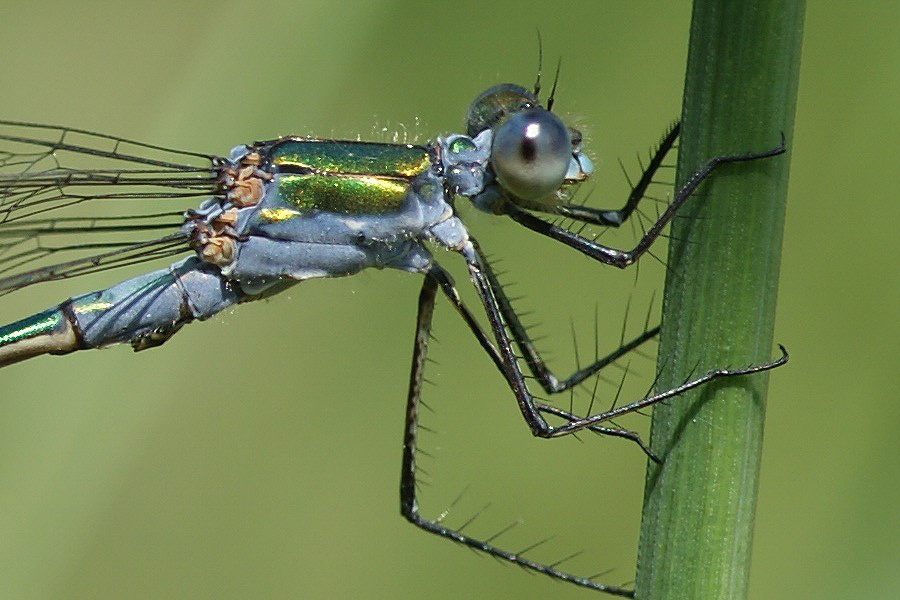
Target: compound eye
(530, 153)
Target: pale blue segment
(156, 302)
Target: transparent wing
(75, 202)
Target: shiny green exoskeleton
(347, 177)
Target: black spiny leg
(614, 218)
(408, 506)
(625, 258)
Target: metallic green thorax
(346, 177)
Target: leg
(442, 279)
(533, 411)
(548, 381)
(614, 218)
(624, 258)
(408, 506)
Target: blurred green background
(257, 455)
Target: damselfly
(274, 213)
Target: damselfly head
(533, 153)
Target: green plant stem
(719, 304)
